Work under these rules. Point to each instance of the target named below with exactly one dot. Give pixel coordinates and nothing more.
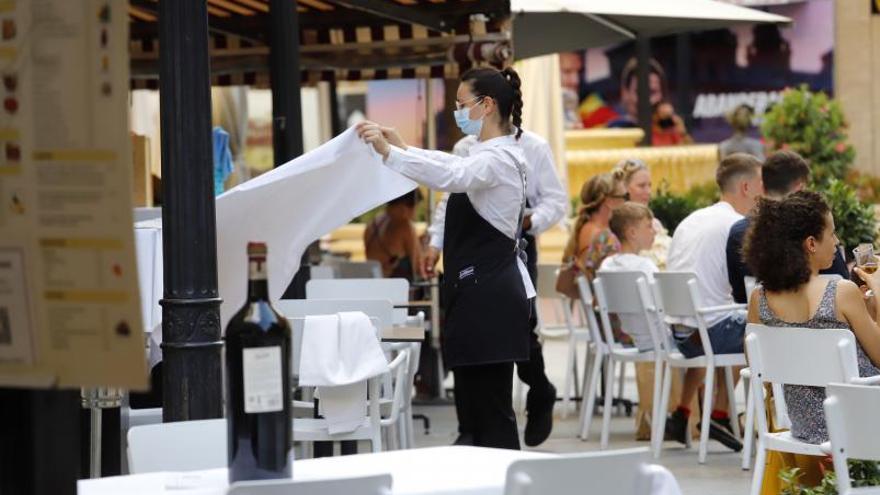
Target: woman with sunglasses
(481, 249)
(591, 240)
(637, 180)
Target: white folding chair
(363, 485)
(546, 292)
(626, 293)
(617, 471)
(677, 294)
(851, 414)
(177, 446)
(795, 356)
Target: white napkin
(339, 353)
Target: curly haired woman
(800, 230)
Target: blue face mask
(464, 122)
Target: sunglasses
(624, 196)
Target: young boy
(633, 225)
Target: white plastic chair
(355, 269)
(677, 294)
(322, 272)
(395, 290)
(597, 352)
(851, 414)
(795, 356)
(316, 429)
(178, 446)
(363, 485)
(626, 293)
(617, 472)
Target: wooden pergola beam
(398, 13)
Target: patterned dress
(604, 244)
(805, 403)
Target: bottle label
(262, 379)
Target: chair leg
(585, 381)
(590, 393)
(655, 408)
(609, 398)
(760, 460)
(731, 399)
(749, 426)
(569, 366)
(659, 423)
(620, 388)
(708, 392)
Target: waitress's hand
(371, 133)
(429, 261)
(393, 137)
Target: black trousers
(532, 372)
(484, 404)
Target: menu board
(69, 305)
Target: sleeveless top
(805, 403)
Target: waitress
(487, 285)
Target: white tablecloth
(439, 470)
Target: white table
(438, 470)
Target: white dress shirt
(547, 199)
(489, 176)
(699, 245)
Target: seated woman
(592, 240)
(391, 238)
(637, 179)
(800, 230)
(633, 225)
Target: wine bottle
(258, 346)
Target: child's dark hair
(503, 86)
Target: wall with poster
(748, 64)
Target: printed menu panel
(69, 305)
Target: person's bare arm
(852, 309)
(754, 315)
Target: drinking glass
(865, 259)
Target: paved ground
(721, 475)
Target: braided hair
(504, 87)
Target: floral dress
(604, 244)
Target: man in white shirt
(699, 245)
(547, 205)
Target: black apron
(487, 312)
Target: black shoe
(720, 430)
(677, 427)
(464, 439)
(539, 419)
